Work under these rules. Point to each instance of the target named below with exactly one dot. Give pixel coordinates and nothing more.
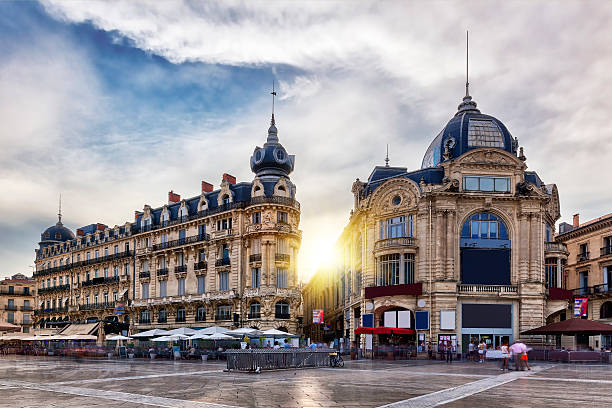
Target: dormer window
(164, 218)
(226, 199)
(486, 184)
(183, 213)
(58, 235)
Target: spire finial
(59, 214)
(387, 157)
(467, 63)
(273, 93)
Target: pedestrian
(471, 350)
(449, 352)
(525, 359)
(429, 351)
(517, 351)
(505, 354)
(482, 349)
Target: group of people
(518, 351)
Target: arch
(484, 225)
(382, 200)
(257, 188)
(201, 314)
(283, 329)
(282, 188)
(605, 311)
(203, 203)
(254, 310)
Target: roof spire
(273, 93)
(272, 131)
(59, 214)
(387, 157)
(467, 103)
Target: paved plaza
(63, 382)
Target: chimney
(206, 187)
(230, 179)
(173, 197)
(136, 214)
(100, 227)
(576, 220)
(80, 232)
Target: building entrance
(493, 341)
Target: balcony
(10, 307)
(254, 316)
(223, 316)
(604, 289)
(411, 289)
(4, 291)
(401, 242)
(498, 290)
(200, 266)
(555, 247)
(282, 257)
(144, 321)
(144, 275)
(180, 269)
(26, 308)
(87, 262)
(98, 306)
(162, 272)
(180, 242)
(223, 233)
(100, 281)
(605, 251)
(255, 258)
(282, 316)
(162, 320)
(222, 262)
(583, 256)
(53, 289)
(181, 319)
(51, 310)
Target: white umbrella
(220, 336)
(118, 337)
(244, 330)
(199, 336)
(277, 333)
(171, 337)
(162, 339)
(151, 333)
(213, 330)
(183, 330)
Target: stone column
(439, 242)
(451, 236)
(523, 249)
(534, 245)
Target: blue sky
(115, 103)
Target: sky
(113, 104)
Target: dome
(55, 234)
(272, 159)
(468, 129)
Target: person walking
(471, 351)
(505, 355)
(429, 350)
(516, 350)
(482, 349)
(449, 352)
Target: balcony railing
(180, 269)
(282, 257)
(395, 242)
(53, 289)
(51, 310)
(26, 308)
(282, 316)
(255, 258)
(144, 275)
(222, 262)
(4, 291)
(583, 256)
(181, 241)
(488, 289)
(144, 321)
(254, 316)
(100, 281)
(223, 316)
(100, 259)
(181, 319)
(555, 247)
(162, 320)
(162, 272)
(98, 306)
(10, 307)
(202, 265)
(593, 290)
(606, 251)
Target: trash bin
(204, 357)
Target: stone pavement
(63, 382)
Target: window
(202, 231)
(180, 315)
(583, 280)
(95, 299)
(116, 249)
(163, 316)
(225, 251)
(88, 256)
(255, 310)
(105, 273)
(115, 271)
(256, 246)
(163, 285)
(202, 255)
(226, 199)
(181, 286)
(96, 273)
(282, 246)
(255, 277)
(223, 312)
(282, 217)
(388, 272)
(61, 280)
(164, 219)
(281, 310)
(145, 316)
(87, 276)
(484, 226)
(115, 296)
(281, 278)
(201, 284)
(550, 267)
(78, 257)
(105, 251)
(97, 254)
(183, 213)
(145, 290)
(396, 227)
(223, 280)
(105, 297)
(408, 272)
(126, 268)
(484, 133)
(10, 317)
(54, 282)
(224, 224)
(257, 217)
(201, 314)
(489, 184)
(145, 266)
(182, 235)
(583, 253)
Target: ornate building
(17, 301)
(226, 257)
(456, 249)
(589, 271)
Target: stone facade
(227, 257)
(17, 301)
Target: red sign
(580, 307)
(317, 316)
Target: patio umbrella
(182, 330)
(219, 336)
(172, 337)
(9, 327)
(151, 333)
(276, 333)
(213, 330)
(572, 327)
(118, 337)
(364, 330)
(199, 336)
(162, 339)
(244, 331)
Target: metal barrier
(266, 359)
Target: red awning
(364, 330)
(572, 327)
(392, 330)
(403, 331)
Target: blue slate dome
(55, 234)
(468, 129)
(272, 159)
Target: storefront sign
(580, 307)
(317, 316)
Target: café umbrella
(151, 333)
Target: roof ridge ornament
(272, 131)
(387, 157)
(59, 214)
(468, 103)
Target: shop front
(491, 323)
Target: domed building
(454, 251)
(55, 234)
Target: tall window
(116, 249)
(388, 270)
(256, 246)
(396, 227)
(282, 217)
(551, 272)
(225, 251)
(163, 288)
(223, 280)
(105, 251)
(281, 278)
(96, 274)
(224, 224)
(126, 268)
(105, 297)
(180, 315)
(115, 271)
(163, 316)
(182, 235)
(201, 314)
(255, 277)
(201, 284)
(181, 286)
(223, 312)
(257, 217)
(255, 310)
(282, 246)
(281, 310)
(145, 290)
(164, 219)
(145, 316)
(484, 226)
(181, 259)
(408, 272)
(105, 273)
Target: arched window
(164, 218)
(283, 329)
(484, 226)
(226, 199)
(255, 310)
(145, 316)
(180, 315)
(606, 311)
(201, 314)
(223, 312)
(183, 213)
(281, 310)
(163, 316)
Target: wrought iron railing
(222, 262)
(395, 242)
(255, 258)
(282, 257)
(100, 281)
